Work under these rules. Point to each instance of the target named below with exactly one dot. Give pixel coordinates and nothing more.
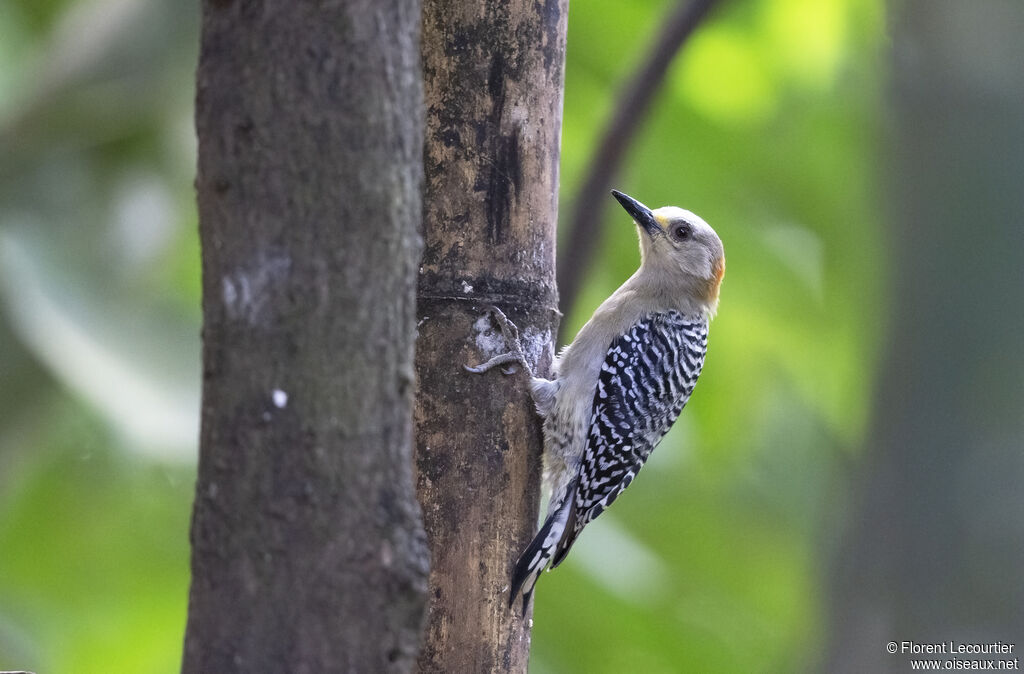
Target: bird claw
(511, 359)
(514, 357)
(508, 329)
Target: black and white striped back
(646, 379)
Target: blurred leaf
(151, 398)
(95, 568)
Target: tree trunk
(493, 86)
(934, 553)
(308, 551)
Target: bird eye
(680, 232)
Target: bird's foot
(514, 357)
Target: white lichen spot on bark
(536, 343)
(280, 398)
(489, 339)
(249, 291)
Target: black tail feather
(537, 554)
(531, 563)
(568, 536)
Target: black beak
(640, 213)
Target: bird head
(680, 249)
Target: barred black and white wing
(646, 379)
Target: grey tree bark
(493, 82)
(935, 548)
(308, 549)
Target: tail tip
(527, 595)
(518, 589)
(526, 602)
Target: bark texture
(934, 551)
(493, 87)
(308, 549)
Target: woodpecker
(618, 387)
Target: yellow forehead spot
(661, 220)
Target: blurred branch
(634, 100)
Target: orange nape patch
(715, 283)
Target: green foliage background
(769, 126)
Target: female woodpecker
(619, 386)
